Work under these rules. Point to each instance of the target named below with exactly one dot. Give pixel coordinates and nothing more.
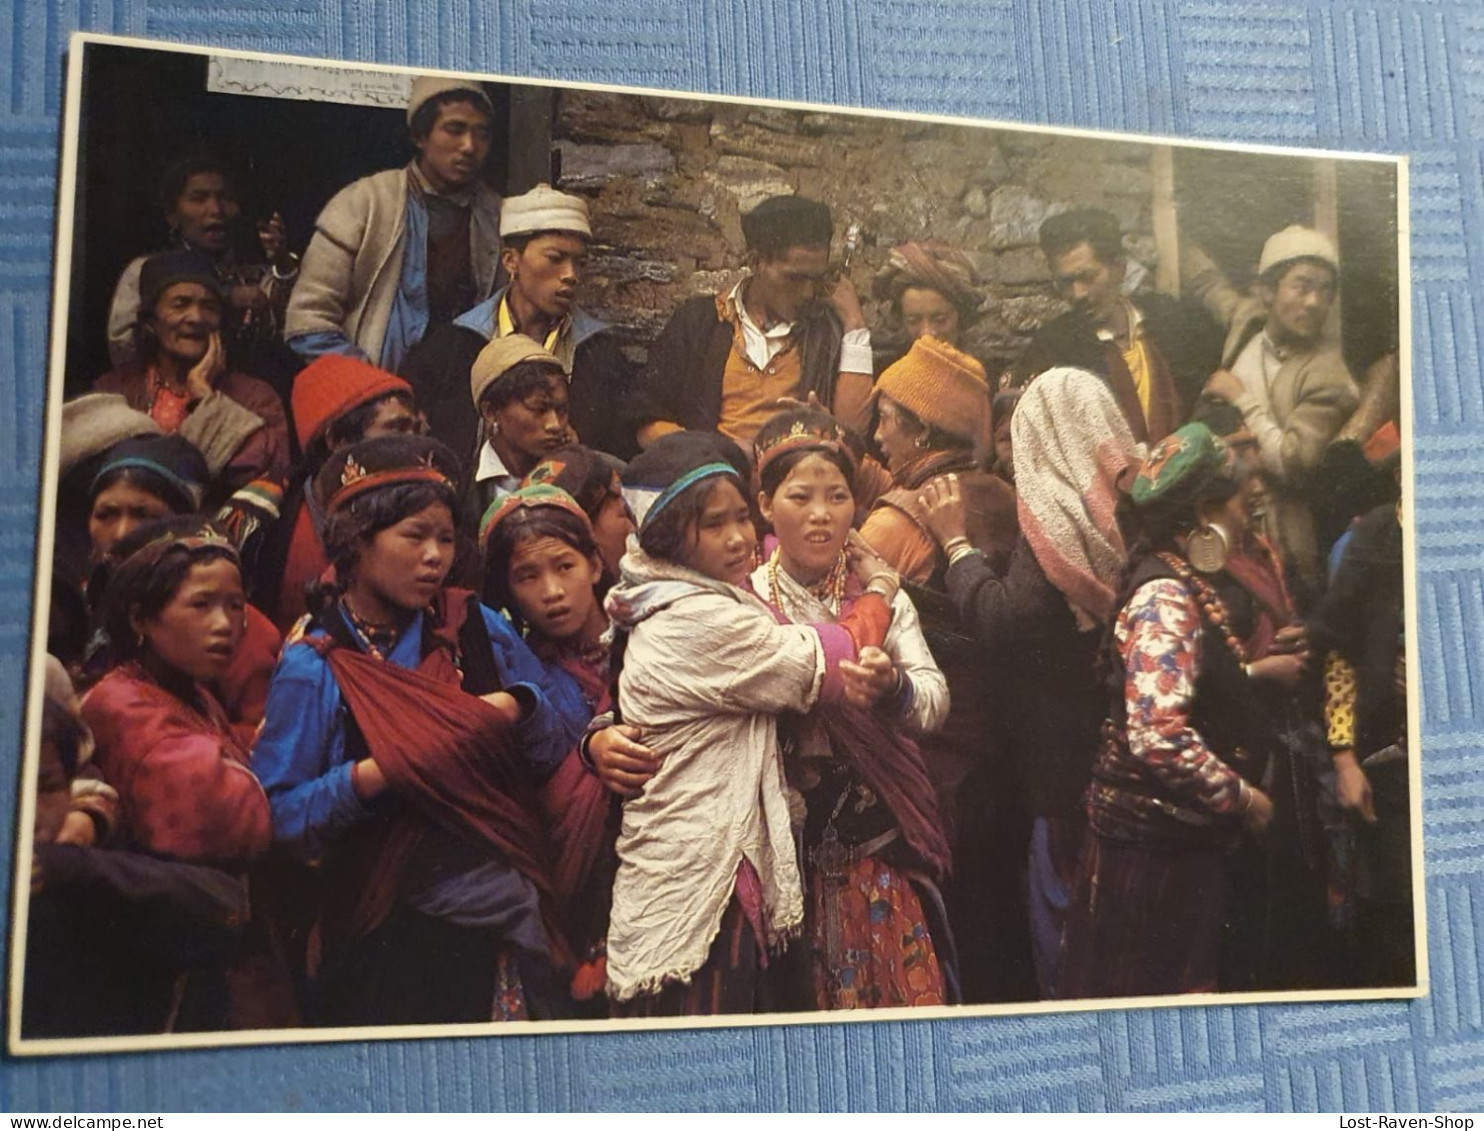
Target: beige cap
(1297, 242)
(425, 87)
(543, 209)
(500, 356)
(95, 422)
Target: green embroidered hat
(1180, 466)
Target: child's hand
(871, 678)
(622, 762)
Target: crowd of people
(415, 658)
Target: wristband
(955, 544)
(964, 551)
(285, 276)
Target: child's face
(198, 631)
(552, 583)
(721, 543)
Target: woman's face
(926, 312)
(552, 583)
(895, 436)
(612, 528)
(198, 631)
(1004, 446)
(119, 508)
(204, 212)
(721, 543)
(811, 513)
(184, 318)
(402, 566)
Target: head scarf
(1072, 448)
(932, 264)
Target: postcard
(527, 557)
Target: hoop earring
(922, 442)
(1207, 547)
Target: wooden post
(1166, 221)
(1327, 221)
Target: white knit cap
(425, 87)
(543, 209)
(1297, 242)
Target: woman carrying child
(408, 731)
(708, 886)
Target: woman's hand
(77, 828)
(202, 378)
(870, 678)
(1290, 639)
(943, 504)
(1285, 670)
(506, 704)
(1353, 788)
(1226, 385)
(1259, 813)
(623, 763)
(869, 566)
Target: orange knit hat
(942, 387)
(331, 385)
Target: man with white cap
(545, 236)
(401, 252)
(1288, 378)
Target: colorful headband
(646, 502)
(355, 480)
(156, 548)
(535, 495)
(801, 437)
(192, 491)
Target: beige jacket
(349, 277)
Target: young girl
(543, 565)
(174, 615)
(408, 729)
(708, 884)
(872, 835)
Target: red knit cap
(331, 385)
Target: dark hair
(1275, 274)
(351, 427)
(520, 381)
(426, 115)
(1098, 229)
(1155, 526)
(178, 174)
(772, 475)
(145, 480)
(348, 530)
(137, 590)
(524, 525)
(667, 535)
(938, 439)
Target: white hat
(95, 422)
(1297, 242)
(543, 209)
(425, 87)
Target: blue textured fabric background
(1352, 74)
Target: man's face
(529, 429)
(548, 271)
(1093, 287)
(453, 153)
(788, 283)
(1299, 305)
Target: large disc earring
(1207, 547)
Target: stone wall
(668, 180)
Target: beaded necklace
(378, 640)
(830, 590)
(1212, 606)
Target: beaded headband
(535, 495)
(801, 437)
(355, 480)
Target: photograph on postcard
(559, 555)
